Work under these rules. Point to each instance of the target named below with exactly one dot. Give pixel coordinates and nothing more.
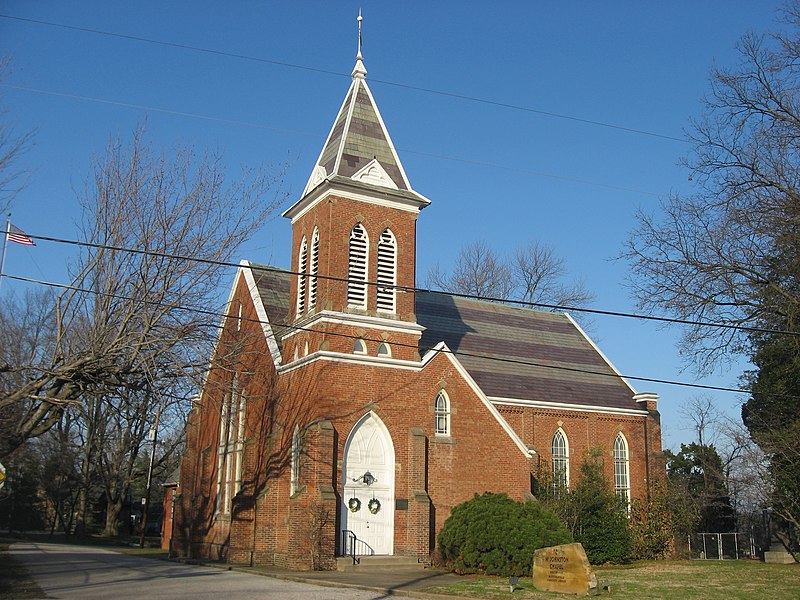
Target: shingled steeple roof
(359, 146)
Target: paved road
(91, 573)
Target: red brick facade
(298, 372)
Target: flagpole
(5, 243)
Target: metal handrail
(349, 540)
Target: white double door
(368, 473)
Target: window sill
(443, 439)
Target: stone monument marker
(564, 569)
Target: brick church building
(346, 412)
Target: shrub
(601, 520)
(593, 513)
(495, 535)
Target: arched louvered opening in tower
(387, 272)
(302, 265)
(357, 268)
(313, 270)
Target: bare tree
(478, 271)
(538, 276)
(534, 274)
(134, 320)
(711, 256)
(13, 145)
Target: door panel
(369, 449)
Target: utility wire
(446, 94)
(400, 344)
(522, 303)
(179, 113)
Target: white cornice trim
(355, 359)
(546, 404)
(266, 327)
(356, 320)
(600, 352)
(441, 347)
(329, 187)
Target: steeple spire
(360, 70)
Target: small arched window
(294, 482)
(441, 411)
(387, 272)
(384, 350)
(313, 270)
(560, 450)
(359, 347)
(305, 348)
(622, 478)
(357, 267)
(302, 266)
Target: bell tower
(354, 240)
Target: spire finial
(359, 19)
(360, 70)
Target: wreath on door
(354, 504)
(374, 506)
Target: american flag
(15, 234)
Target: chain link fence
(721, 546)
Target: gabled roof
(358, 145)
(522, 354)
(513, 354)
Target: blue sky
(500, 174)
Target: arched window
(441, 410)
(560, 459)
(305, 348)
(359, 347)
(294, 481)
(621, 468)
(313, 270)
(387, 272)
(384, 350)
(302, 266)
(357, 267)
(230, 447)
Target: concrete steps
(378, 563)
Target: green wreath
(374, 506)
(354, 504)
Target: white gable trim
(310, 185)
(441, 347)
(266, 327)
(388, 137)
(600, 352)
(374, 174)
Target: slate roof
(521, 353)
(510, 352)
(358, 136)
(273, 289)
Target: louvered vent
(312, 286)
(302, 265)
(387, 272)
(357, 270)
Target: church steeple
(358, 146)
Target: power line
(497, 300)
(179, 113)
(400, 344)
(446, 94)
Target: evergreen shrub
(495, 535)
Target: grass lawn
(704, 580)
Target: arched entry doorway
(368, 490)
